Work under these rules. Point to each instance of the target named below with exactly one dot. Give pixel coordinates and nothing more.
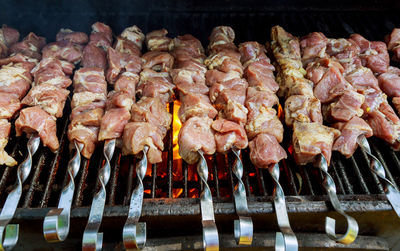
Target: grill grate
(171, 186)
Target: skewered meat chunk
(119, 62)
(139, 134)
(252, 52)
(158, 40)
(393, 42)
(155, 84)
(229, 134)
(113, 123)
(72, 36)
(345, 52)
(186, 47)
(265, 151)
(5, 128)
(127, 83)
(124, 45)
(36, 120)
(196, 134)
(86, 135)
(30, 46)
(216, 76)
(346, 143)
(311, 139)
(158, 61)
(90, 80)
(234, 89)
(224, 63)
(313, 47)
(48, 97)
(303, 109)
(53, 72)
(389, 82)
(195, 105)
(16, 78)
(188, 81)
(119, 99)
(8, 37)
(87, 115)
(152, 110)
(260, 74)
(9, 105)
(373, 55)
(94, 56)
(101, 35)
(346, 107)
(63, 50)
(134, 35)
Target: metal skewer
(56, 222)
(243, 227)
(210, 232)
(352, 225)
(134, 233)
(376, 166)
(92, 239)
(286, 239)
(9, 232)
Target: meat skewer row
(148, 125)
(227, 94)
(88, 103)
(8, 37)
(265, 130)
(196, 136)
(312, 141)
(15, 81)
(123, 69)
(369, 59)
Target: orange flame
(176, 192)
(176, 126)
(280, 112)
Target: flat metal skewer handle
(243, 227)
(352, 225)
(286, 239)
(134, 232)
(56, 222)
(376, 166)
(92, 239)
(9, 232)
(210, 232)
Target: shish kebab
(227, 93)
(196, 137)
(15, 81)
(149, 122)
(88, 102)
(124, 65)
(312, 142)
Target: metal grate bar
(216, 181)
(359, 177)
(114, 177)
(348, 186)
(153, 180)
(185, 178)
(129, 184)
(170, 153)
(381, 159)
(337, 178)
(35, 180)
(374, 177)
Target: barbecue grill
(172, 188)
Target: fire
(280, 112)
(176, 192)
(176, 126)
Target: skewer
(134, 233)
(210, 232)
(352, 225)
(243, 227)
(92, 240)
(9, 232)
(392, 194)
(286, 239)
(56, 222)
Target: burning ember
(176, 126)
(280, 112)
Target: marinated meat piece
(229, 134)
(187, 47)
(215, 76)
(192, 65)
(5, 128)
(155, 84)
(302, 109)
(119, 99)
(152, 110)
(127, 83)
(85, 98)
(72, 36)
(86, 135)
(87, 115)
(313, 47)
(346, 107)
(373, 55)
(234, 89)
(234, 111)
(30, 46)
(121, 62)
(196, 134)
(265, 151)
(224, 63)
(36, 120)
(393, 42)
(51, 71)
(158, 61)
(90, 80)
(9, 105)
(188, 81)
(396, 104)
(251, 52)
(311, 139)
(346, 143)
(101, 36)
(15, 79)
(195, 105)
(124, 45)
(221, 35)
(113, 123)
(94, 56)
(346, 52)
(158, 40)
(284, 44)
(48, 97)
(135, 35)
(8, 35)
(63, 50)
(260, 74)
(139, 134)
(389, 82)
